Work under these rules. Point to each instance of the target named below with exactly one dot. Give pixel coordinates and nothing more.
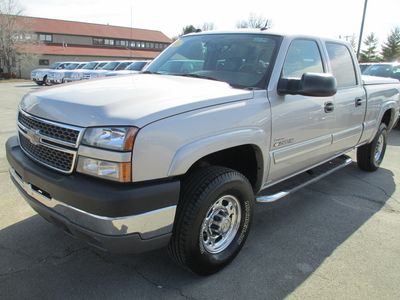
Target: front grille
(54, 158)
(50, 130)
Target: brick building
(60, 40)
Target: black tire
(45, 82)
(366, 159)
(39, 82)
(200, 191)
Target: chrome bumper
(148, 225)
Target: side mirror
(310, 84)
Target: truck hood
(134, 100)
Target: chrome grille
(48, 129)
(51, 144)
(56, 159)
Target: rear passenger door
(350, 99)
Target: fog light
(117, 171)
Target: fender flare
(190, 153)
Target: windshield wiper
(149, 72)
(197, 76)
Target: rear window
(342, 65)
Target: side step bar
(297, 182)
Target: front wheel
(213, 219)
(370, 156)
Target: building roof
(58, 49)
(89, 29)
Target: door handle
(329, 107)
(358, 102)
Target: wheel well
(246, 159)
(387, 117)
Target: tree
(391, 49)
(13, 35)
(207, 26)
(370, 54)
(189, 29)
(254, 21)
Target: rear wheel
(213, 219)
(370, 156)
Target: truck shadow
(289, 240)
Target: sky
(331, 18)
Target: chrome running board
(293, 184)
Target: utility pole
(361, 29)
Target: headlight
(112, 138)
(117, 171)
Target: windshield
(379, 70)
(71, 66)
(242, 60)
(137, 66)
(110, 66)
(90, 66)
(54, 65)
(62, 66)
(81, 66)
(123, 65)
(100, 65)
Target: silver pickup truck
(177, 156)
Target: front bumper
(121, 218)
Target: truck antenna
(266, 26)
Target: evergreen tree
(391, 49)
(370, 54)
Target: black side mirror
(310, 84)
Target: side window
(342, 65)
(303, 56)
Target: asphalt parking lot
(336, 239)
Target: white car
(77, 75)
(39, 76)
(57, 76)
(111, 66)
(133, 68)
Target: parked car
(111, 66)
(77, 75)
(363, 66)
(57, 76)
(132, 68)
(178, 159)
(391, 70)
(39, 76)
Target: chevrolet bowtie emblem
(33, 136)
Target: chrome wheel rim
(379, 148)
(221, 224)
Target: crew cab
(177, 155)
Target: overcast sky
(329, 18)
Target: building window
(48, 38)
(43, 62)
(151, 45)
(109, 42)
(121, 43)
(142, 44)
(97, 41)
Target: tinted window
(303, 56)
(342, 65)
